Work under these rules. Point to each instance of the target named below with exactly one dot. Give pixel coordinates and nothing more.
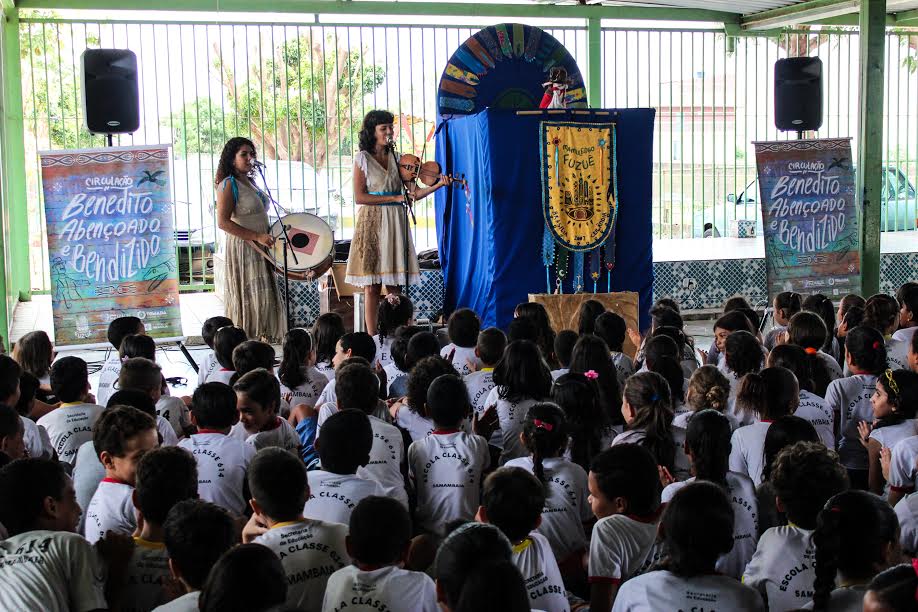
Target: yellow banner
(578, 183)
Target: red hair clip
(915, 567)
(876, 345)
(542, 425)
(811, 351)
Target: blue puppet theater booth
(493, 238)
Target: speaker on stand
(111, 98)
(798, 94)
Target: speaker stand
(108, 139)
(799, 134)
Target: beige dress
(377, 253)
(251, 296)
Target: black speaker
(798, 94)
(111, 101)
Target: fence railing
(300, 91)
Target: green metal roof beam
(795, 14)
(904, 17)
(358, 7)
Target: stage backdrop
(111, 243)
(490, 243)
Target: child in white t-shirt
(566, 510)
(301, 382)
(223, 461)
(464, 552)
(355, 344)
(808, 331)
(344, 445)
(894, 402)
(697, 529)
(521, 379)
(742, 355)
(208, 333)
(397, 371)
(707, 389)
(413, 413)
(489, 349)
(805, 476)
(70, 425)
(446, 467)
(769, 395)
(672, 372)
(225, 342)
(258, 401)
(35, 438)
(12, 445)
(611, 327)
(44, 564)
(394, 311)
(326, 332)
(849, 398)
(857, 536)
(810, 407)
(196, 534)
(310, 550)
(118, 330)
(165, 477)
(378, 540)
(512, 500)
(564, 350)
(785, 305)
(624, 489)
(121, 436)
(357, 387)
(142, 374)
(707, 444)
(462, 328)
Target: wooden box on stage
(337, 296)
(564, 309)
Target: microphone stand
(407, 208)
(285, 238)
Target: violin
(411, 169)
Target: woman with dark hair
(381, 231)
(250, 295)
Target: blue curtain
(490, 245)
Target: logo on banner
(578, 195)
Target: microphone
(390, 144)
(257, 164)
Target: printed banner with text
(111, 243)
(809, 214)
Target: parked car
(898, 203)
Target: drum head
(311, 242)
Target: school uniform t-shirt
(88, 472)
(176, 412)
(566, 506)
(186, 603)
(36, 440)
(111, 509)
(222, 375)
(282, 435)
(771, 338)
(108, 378)
(783, 567)
(622, 547)
(816, 411)
(147, 570)
(326, 367)
(681, 466)
(747, 455)
(907, 511)
(556, 374)
(663, 590)
(396, 381)
(383, 350)
(208, 366)
(845, 599)
(891, 435)
(902, 465)
(850, 398)
(745, 521)
(51, 571)
(511, 416)
(222, 466)
(308, 391)
(539, 568)
(897, 353)
(446, 469)
(387, 588)
(386, 457)
(835, 370)
(624, 367)
(464, 359)
(417, 426)
(68, 427)
(332, 497)
(479, 385)
(310, 551)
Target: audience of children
(564, 455)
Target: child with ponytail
(894, 404)
(812, 407)
(707, 445)
(857, 536)
(298, 376)
(769, 395)
(592, 355)
(326, 332)
(588, 426)
(697, 530)
(822, 306)
(743, 354)
(566, 507)
(849, 398)
(898, 345)
(394, 311)
(893, 590)
(808, 331)
(708, 388)
(647, 409)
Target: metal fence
(300, 91)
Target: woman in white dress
(377, 255)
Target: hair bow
(542, 425)
(876, 344)
(591, 374)
(393, 299)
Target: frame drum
(311, 248)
